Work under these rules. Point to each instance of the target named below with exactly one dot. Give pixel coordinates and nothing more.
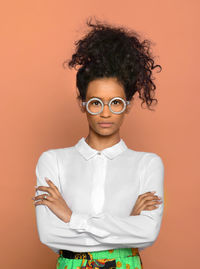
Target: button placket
(98, 188)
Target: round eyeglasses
(95, 105)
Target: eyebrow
(103, 97)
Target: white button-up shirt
(100, 188)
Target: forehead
(105, 88)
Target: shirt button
(99, 153)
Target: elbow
(42, 227)
(148, 234)
(43, 232)
(151, 226)
(42, 236)
(153, 232)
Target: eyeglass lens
(116, 105)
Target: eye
(95, 103)
(115, 102)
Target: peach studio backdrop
(38, 97)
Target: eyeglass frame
(106, 103)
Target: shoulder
(54, 154)
(152, 165)
(143, 156)
(152, 157)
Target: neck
(100, 142)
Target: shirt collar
(111, 152)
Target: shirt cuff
(78, 221)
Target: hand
(54, 201)
(146, 202)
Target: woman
(101, 202)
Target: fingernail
(35, 186)
(46, 179)
(153, 192)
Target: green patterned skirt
(122, 258)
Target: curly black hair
(110, 51)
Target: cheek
(92, 120)
(119, 119)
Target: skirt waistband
(103, 254)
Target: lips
(105, 124)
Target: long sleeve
(132, 231)
(52, 231)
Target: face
(105, 89)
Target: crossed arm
(104, 228)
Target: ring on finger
(45, 197)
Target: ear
(82, 108)
(129, 106)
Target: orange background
(38, 97)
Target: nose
(106, 111)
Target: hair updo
(109, 51)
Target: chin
(105, 131)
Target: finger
(144, 195)
(152, 198)
(147, 193)
(151, 207)
(42, 202)
(42, 196)
(149, 198)
(47, 189)
(148, 201)
(144, 200)
(149, 204)
(52, 185)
